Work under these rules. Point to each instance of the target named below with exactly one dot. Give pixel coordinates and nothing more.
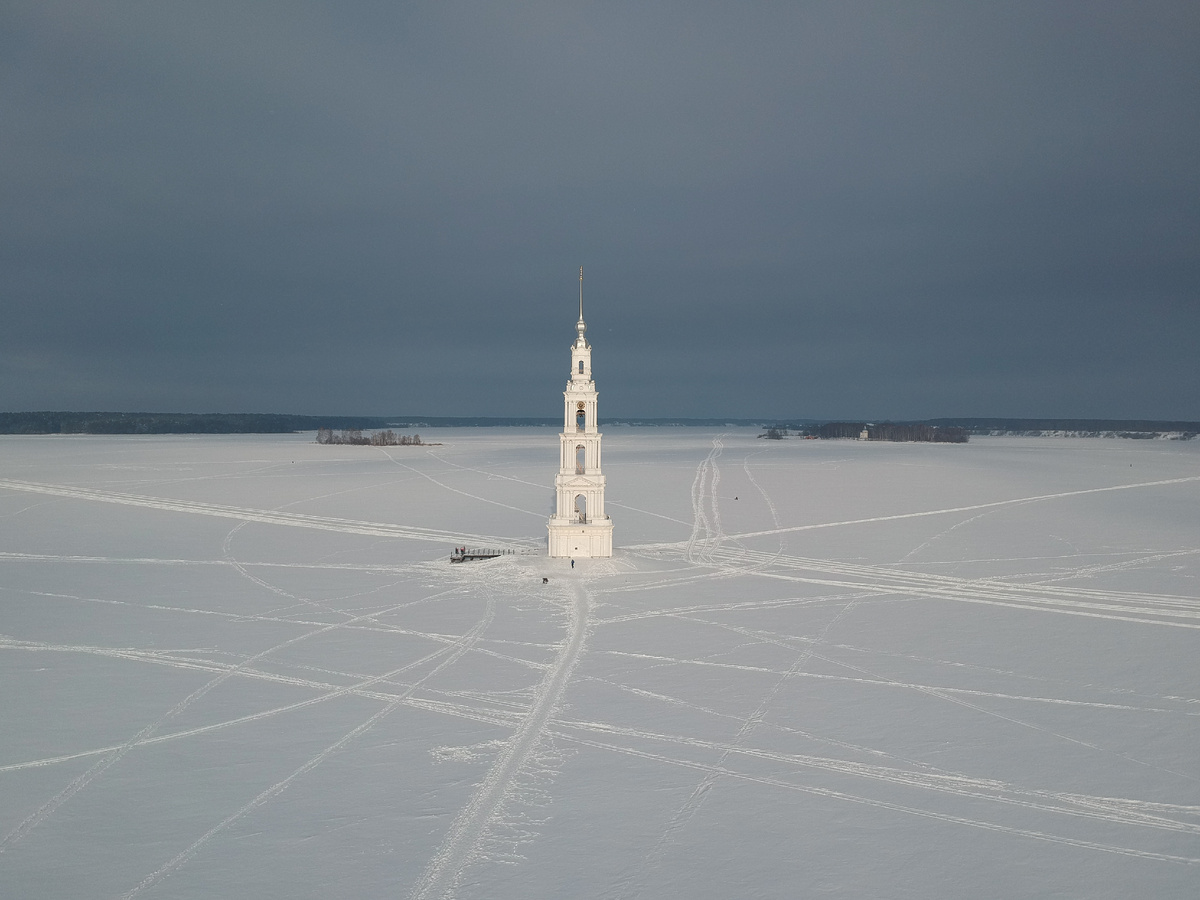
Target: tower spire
(580, 327)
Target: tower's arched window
(581, 508)
(581, 367)
(580, 459)
(580, 418)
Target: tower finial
(581, 293)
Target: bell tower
(580, 527)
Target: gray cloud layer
(801, 209)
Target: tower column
(580, 527)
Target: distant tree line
(276, 423)
(887, 431)
(172, 423)
(1125, 428)
(355, 436)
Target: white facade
(580, 527)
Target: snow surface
(244, 667)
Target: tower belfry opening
(579, 526)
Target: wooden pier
(463, 554)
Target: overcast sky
(821, 210)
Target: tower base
(590, 540)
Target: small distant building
(864, 435)
(579, 526)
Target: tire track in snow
(263, 516)
(901, 579)
(691, 806)
(705, 532)
(382, 568)
(918, 515)
(789, 641)
(320, 606)
(453, 654)
(766, 497)
(331, 691)
(680, 703)
(461, 843)
(454, 490)
(699, 521)
(98, 768)
(732, 606)
(948, 695)
(713, 502)
(1112, 810)
(1129, 607)
(884, 804)
(930, 541)
(1138, 562)
(352, 625)
(889, 683)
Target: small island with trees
(355, 437)
(867, 431)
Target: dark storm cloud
(796, 209)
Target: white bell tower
(580, 527)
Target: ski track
(766, 497)
(44, 812)
(486, 472)
(929, 542)
(447, 487)
(382, 568)
(162, 657)
(932, 512)
(704, 548)
(1133, 607)
(706, 515)
(888, 805)
(1112, 810)
(267, 517)
(452, 655)
(459, 848)
(883, 682)
(789, 642)
(692, 805)
(38, 816)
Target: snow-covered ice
(244, 667)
